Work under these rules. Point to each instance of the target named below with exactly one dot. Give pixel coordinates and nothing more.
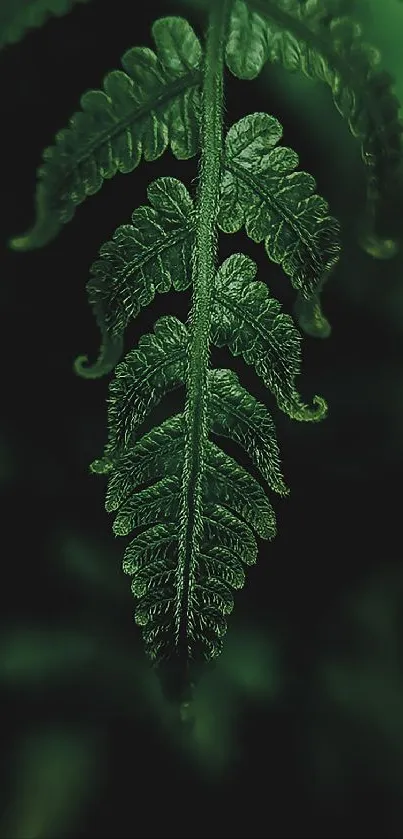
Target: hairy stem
(203, 271)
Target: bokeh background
(298, 731)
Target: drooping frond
(17, 16)
(147, 474)
(261, 190)
(153, 104)
(153, 254)
(324, 43)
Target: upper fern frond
(261, 190)
(325, 44)
(153, 104)
(17, 16)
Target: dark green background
(299, 730)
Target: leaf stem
(203, 273)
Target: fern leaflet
(153, 104)
(151, 254)
(261, 190)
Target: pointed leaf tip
(310, 317)
(45, 228)
(110, 353)
(36, 237)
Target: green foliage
(250, 323)
(195, 512)
(56, 770)
(261, 190)
(153, 253)
(18, 16)
(199, 596)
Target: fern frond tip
(307, 413)
(101, 466)
(45, 228)
(310, 317)
(321, 408)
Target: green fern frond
(192, 512)
(259, 189)
(17, 16)
(323, 43)
(155, 503)
(147, 476)
(153, 104)
(232, 486)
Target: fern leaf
(236, 414)
(145, 480)
(153, 254)
(150, 255)
(150, 505)
(160, 452)
(18, 16)
(325, 44)
(147, 373)
(261, 190)
(152, 545)
(155, 454)
(147, 476)
(153, 104)
(250, 323)
(222, 529)
(229, 484)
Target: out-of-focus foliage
(53, 769)
(19, 16)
